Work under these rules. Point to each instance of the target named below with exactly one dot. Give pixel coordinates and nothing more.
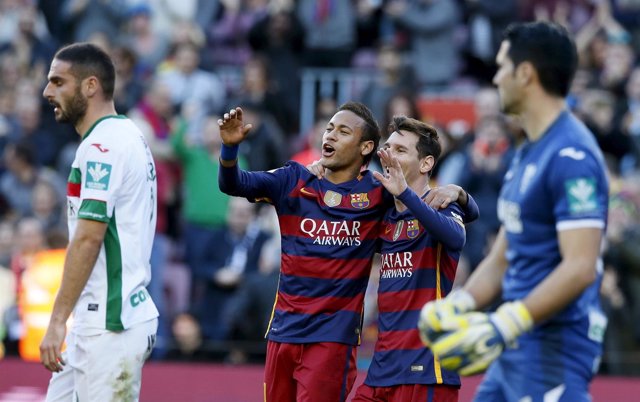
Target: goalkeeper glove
(470, 350)
(441, 316)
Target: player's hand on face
(51, 347)
(316, 169)
(232, 128)
(393, 177)
(441, 197)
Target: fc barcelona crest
(332, 199)
(413, 228)
(360, 200)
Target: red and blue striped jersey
(329, 235)
(417, 267)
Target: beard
(75, 110)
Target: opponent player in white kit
(111, 195)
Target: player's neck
(342, 175)
(538, 117)
(94, 113)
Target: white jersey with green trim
(113, 180)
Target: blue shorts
(551, 365)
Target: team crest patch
(332, 199)
(360, 200)
(581, 195)
(98, 176)
(413, 228)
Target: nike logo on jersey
(572, 153)
(99, 146)
(306, 192)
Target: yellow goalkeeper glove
(442, 316)
(470, 350)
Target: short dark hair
(428, 141)
(551, 50)
(87, 60)
(370, 130)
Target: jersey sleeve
(102, 170)
(270, 186)
(446, 225)
(579, 189)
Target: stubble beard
(75, 111)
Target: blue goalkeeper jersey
(419, 262)
(329, 235)
(553, 184)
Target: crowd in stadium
(181, 64)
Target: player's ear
(90, 86)
(526, 72)
(426, 164)
(366, 147)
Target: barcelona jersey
(417, 267)
(329, 236)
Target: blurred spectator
(431, 25)
(34, 133)
(18, 182)
(330, 32)
(187, 344)
(486, 162)
(278, 37)
(195, 92)
(393, 76)
(85, 17)
(130, 79)
(231, 253)
(33, 51)
(597, 110)
(486, 20)
(227, 41)
(248, 312)
(262, 91)
(628, 118)
(149, 45)
(48, 209)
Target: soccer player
(329, 232)
(420, 251)
(111, 195)
(544, 342)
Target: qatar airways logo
(332, 233)
(396, 265)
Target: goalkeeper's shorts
(553, 365)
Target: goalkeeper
(544, 342)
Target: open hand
(232, 129)
(393, 178)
